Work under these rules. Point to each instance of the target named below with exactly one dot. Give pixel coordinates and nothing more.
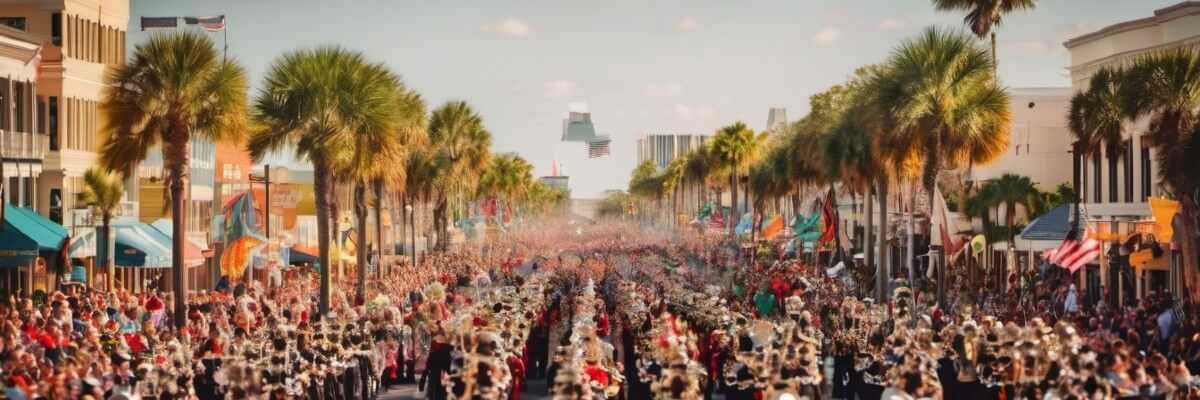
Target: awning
(27, 235)
(193, 254)
(299, 256)
(140, 245)
(1053, 225)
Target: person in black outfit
(436, 365)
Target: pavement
(536, 390)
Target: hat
(154, 304)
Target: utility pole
(267, 194)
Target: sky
(668, 66)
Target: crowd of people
(602, 311)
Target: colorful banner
(1163, 210)
(773, 228)
(241, 233)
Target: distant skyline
(665, 66)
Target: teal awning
(26, 235)
(140, 245)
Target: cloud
(508, 27)
(892, 24)
(667, 89)
(687, 24)
(558, 88)
(826, 36)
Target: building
(662, 148)
(151, 189)
(23, 144)
(577, 127)
(1039, 143)
(556, 182)
(776, 120)
(80, 39)
(1116, 187)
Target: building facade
(1116, 187)
(80, 40)
(662, 148)
(23, 144)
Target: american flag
(599, 146)
(211, 24)
(1073, 254)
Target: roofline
(1161, 15)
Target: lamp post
(408, 208)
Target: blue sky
(637, 66)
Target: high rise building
(663, 148)
(776, 120)
(80, 40)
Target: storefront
(31, 252)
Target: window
(56, 29)
(1128, 171)
(1112, 175)
(18, 97)
(52, 121)
(13, 22)
(56, 205)
(1096, 197)
(1147, 178)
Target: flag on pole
(159, 22)
(211, 24)
(600, 146)
(978, 243)
(1073, 254)
(829, 217)
(773, 228)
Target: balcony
(23, 146)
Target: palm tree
(325, 103)
(1098, 115)
(1009, 191)
(462, 153)
(175, 88)
(102, 191)
(736, 145)
(508, 178)
(411, 123)
(983, 16)
(943, 105)
(1165, 88)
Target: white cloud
(666, 89)
(687, 24)
(892, 24)
(827, 36)
(577, 106)
(558, 88)
(508, 27)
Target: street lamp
(412, 233)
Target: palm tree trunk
(412, 231)
(734, 216)
(321, 185)
(1188, 209)
(883, 271)
(869, 240)
(110, 268)
(377, 185)
(177, 155)
(995, 64)
(360, 216)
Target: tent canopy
(299, 256)
(193, 253)
(26, 235)
(1053, 225)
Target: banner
(978, 244)
(1163, 210)
(773, 228)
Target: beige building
(1117, 186)
(22, 140)
(80, 40)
